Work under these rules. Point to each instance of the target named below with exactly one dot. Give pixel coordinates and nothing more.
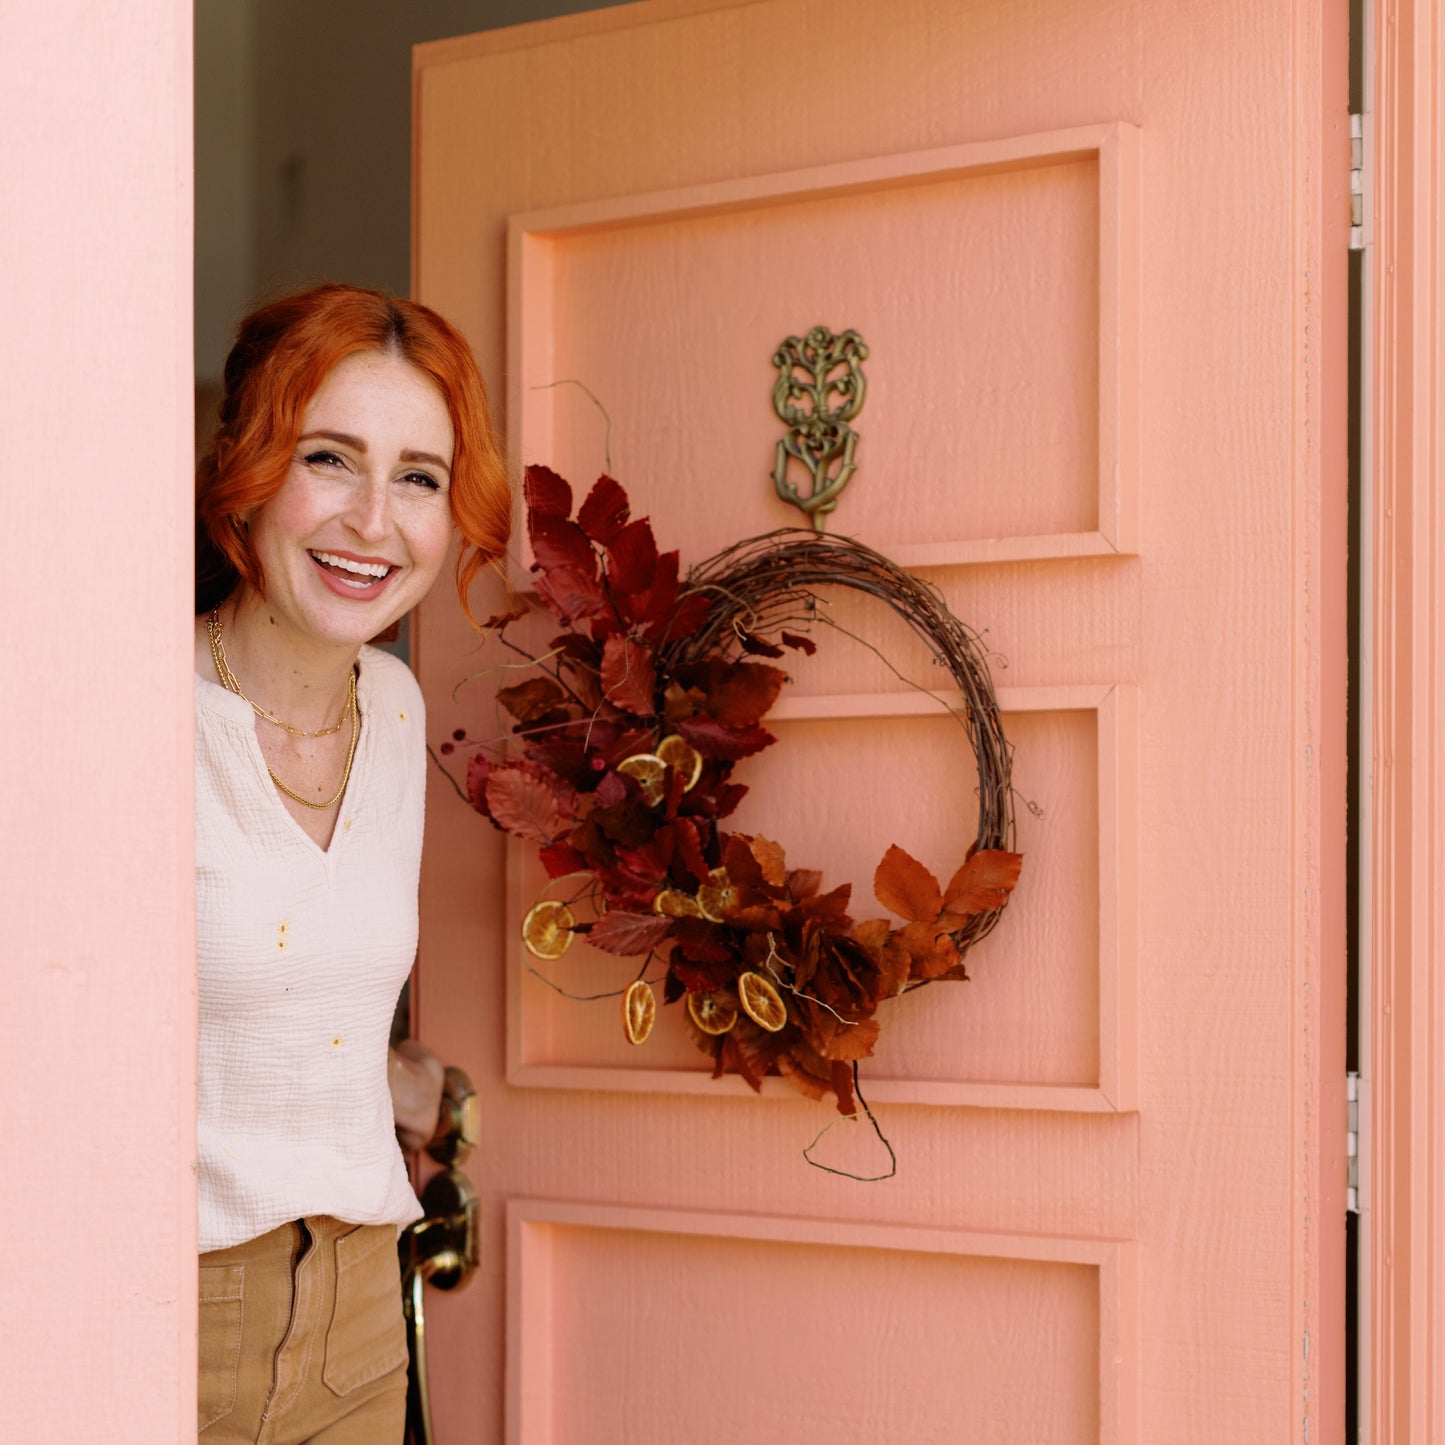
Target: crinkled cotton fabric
(302, 952)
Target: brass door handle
(443, 1247)
(459, 1124)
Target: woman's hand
(415, 1075)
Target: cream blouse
(302, 953)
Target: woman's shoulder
(386, 679)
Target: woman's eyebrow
(345, 438)
(436, 461)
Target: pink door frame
(97, 1038)
(1404, 1194)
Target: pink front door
(1087, 247)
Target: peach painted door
(1088, 248)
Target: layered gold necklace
(228, 681)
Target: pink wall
(97, 1043)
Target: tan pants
(302, 1338)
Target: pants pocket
(367, 1337)
(220, 1342)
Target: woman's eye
(323, 459)
(423, 479)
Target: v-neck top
(302, 952)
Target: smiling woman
(354, 440)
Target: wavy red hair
(284, 350)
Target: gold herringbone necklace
(229, 682)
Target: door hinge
(1352, 1143)
(1357, 183)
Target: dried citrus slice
(714, 1013)
(648, 769)
(547, 929)
(682, 757)
(639, 1010)
(674, 904)
(716, 896)
(762, 1002)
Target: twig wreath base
(627, 732)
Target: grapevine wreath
(630, 726)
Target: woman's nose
(369, 514)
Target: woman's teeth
(354, 574)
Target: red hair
(284, 350)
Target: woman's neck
(303, 681)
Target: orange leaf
(903, 884)
(984, 882)
(853, 1043)
(770, 860)
(931, 952)
(873, 933)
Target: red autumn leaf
(478, 770)
(530, 700)
(656, 601)
(743, 868)
(629, 679)
(689, 849)
(560, 859)
(984, 882)
(560, 543)
(570, 592)
(546, 493)
(611, 790)
(628, 933)
(713, 740)
(605, 511)
(745, 694)
(524, 805)
(760, 647)
(632, 558)
(841, 1077)
(701, 977)
(689, 614)
(701, 941)
(649, 862)
(903, 884)
(803, 644)
(716, 802)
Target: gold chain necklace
(228, 681)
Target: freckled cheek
(429, 548)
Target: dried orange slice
(714, 1013)
(715, 897)
(673, 904)
(547, 929)
(649, 770)
(681, 757)
(762, 1002)
(639, 1010)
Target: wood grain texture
(1225, 622)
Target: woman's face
(357, 533)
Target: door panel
(1087, 425)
